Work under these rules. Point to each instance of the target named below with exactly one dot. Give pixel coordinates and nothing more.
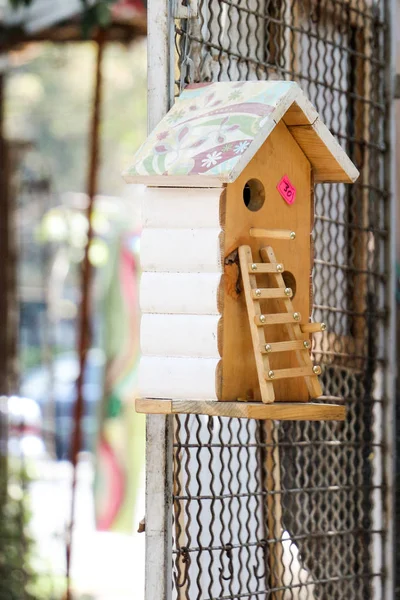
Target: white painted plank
(176, 208)
(180, 335)
(181, 250)
(177, 378)
(180, 293)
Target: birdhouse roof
(213, 131)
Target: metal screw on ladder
(254, 267)
(288, 292)
(316, 370)
(258, 293)
(306, 344)
(292, 235)
(271, 374)
(268, 348)
(323, 326)
(262, 319)
(279, 268)
(296, 316)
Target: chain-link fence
(295, 510)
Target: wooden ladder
(288, 317)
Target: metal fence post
(389, 421)
(158, 579)
(159, 429)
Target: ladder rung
(277, 234)
(277, 319)
(284, 346)
(290, 373)
(265, 268)
(313, 327)
(261, 293)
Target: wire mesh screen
(295, 510)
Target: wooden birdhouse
(226, 248)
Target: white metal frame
(159, 428)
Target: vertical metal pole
(390, 338)
(158, 569)
(160, 61)
(159, 428)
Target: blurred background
(72, 111)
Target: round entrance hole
(254, 194)
(290, 281)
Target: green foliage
(23, 575)
(18, 3)
(98, 14)
(16, 574)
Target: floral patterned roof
(213, 131)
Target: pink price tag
(286, 190)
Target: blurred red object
(128, 9)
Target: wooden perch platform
(279, 411)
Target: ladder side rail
(257, 333)
(293, 330)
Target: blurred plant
(68, 227)
(18, 3)
(16, 574)
(96, 14)
(22, 574)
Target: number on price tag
(286, 190)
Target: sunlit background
(48, 95)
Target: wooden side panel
(280, 155)
(179, 378)
(180, 335)
(181, 293)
